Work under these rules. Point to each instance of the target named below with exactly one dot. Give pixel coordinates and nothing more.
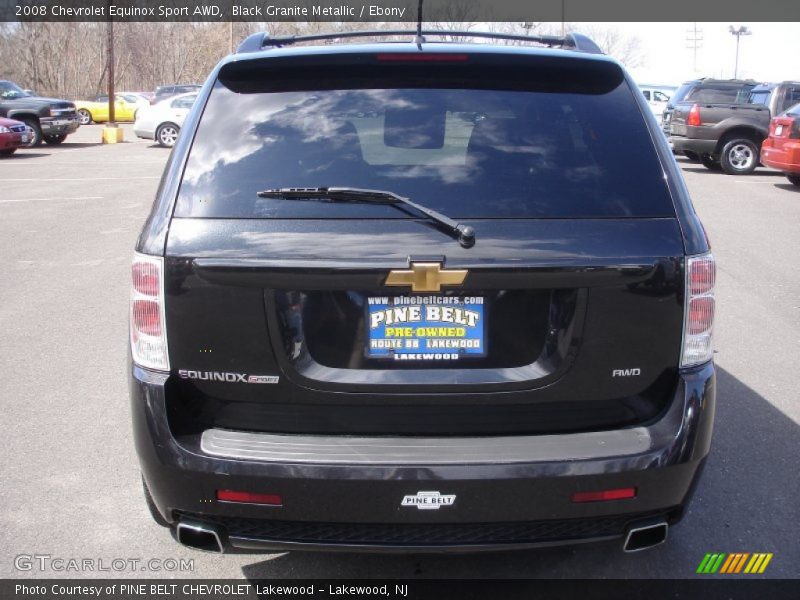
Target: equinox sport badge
(428, 500)
(227, 377)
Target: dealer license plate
(778, 129)
(426, 328)
(24, 138)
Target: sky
(771, 53)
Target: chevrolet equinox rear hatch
(300, 299)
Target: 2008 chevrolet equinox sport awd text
(422, 297)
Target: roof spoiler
(572, 41)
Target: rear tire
(55, 140)
(7, 152)
(709, 163)
(37, 138)
(84, 116)
(739, 157)
(793, 179)
(692, 156)
(151, 506)
(167, 134)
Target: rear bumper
(784, 158)
(513, 493)
(145, 132)
(682, 144)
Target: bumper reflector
(249, 497)
(604, 495)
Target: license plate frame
(425, 329)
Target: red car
(13, 135)
(781, 150)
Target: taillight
(783, 127)
(694, 116)
(701, 274)
(147, 330)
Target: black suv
(407, 296)
(50, 119)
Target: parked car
(781, 150)
(657, 97)
(149, 96)
(162, 121)
(126, 105)
(50, 120)
(13, 135)
(733, 90)
(141, 99)
(165, 91)
(728, 134)
(421, 304)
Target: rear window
(793, 111)
(469, 153)
(760, 97)
(681, 92)
(719, 94)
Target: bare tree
(627, 49)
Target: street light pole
(738, 32)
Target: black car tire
(739, 157)
(167, 134)
(709, 163)
(37, 138)
(84, 116)
(55, 140)
(793, 179)
(692, 156)
(151, 506)
(7, 151)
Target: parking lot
(69, 217)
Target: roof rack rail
(572, 41)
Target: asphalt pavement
(69, 218)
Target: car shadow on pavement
(76, 145)
(23, 153)
(746, 501)
(788, 186)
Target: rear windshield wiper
(463, 233)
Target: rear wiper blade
(463, 233)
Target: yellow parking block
(112, 135)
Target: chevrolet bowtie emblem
(426, 277)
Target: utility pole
(111, 115)
(111, 133)
(694, 41)
(738, 32)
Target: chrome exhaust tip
(644, 536)
(199, 536)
